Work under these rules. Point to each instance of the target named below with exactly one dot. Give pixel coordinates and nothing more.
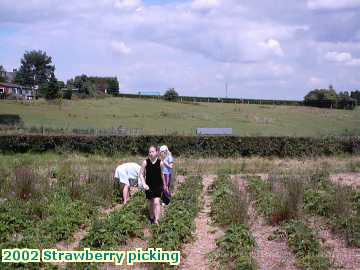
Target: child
(127, 175)
(168, 161)
(153, 182)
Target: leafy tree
(2, 74)
(35, 69)
(171, 95)
(113, 86)
(325, 98)
(91, 86)
(67, 94)
(356, 95)
(328, 98)
(50, 90)
(61, 84)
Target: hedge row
(229, 146)
(219, 99)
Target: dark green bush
(184, 145)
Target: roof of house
(13, 85)
(11, 75)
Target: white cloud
(316, 82)
(332, 4)
(205, 4)
(120, 47)
(204, 43)
(274, 46)
(342, 58)
(127, 4)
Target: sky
(267, 49)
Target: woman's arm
(169, 165)
(142, 175)
(163, 177)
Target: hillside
(159, 117)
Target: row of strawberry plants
(178, 224)
(340, 205)
(40, 225)
(279, 205)
(120, 225)
(38, 214)
(229, 209)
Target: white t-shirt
(128, 173)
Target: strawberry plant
(113, 231)
(235, 247)
(305, 246)
(339, 204)
(177, 225)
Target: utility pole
(226, 90)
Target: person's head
(153, 153)
(163, 151)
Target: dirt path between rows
(347, 179)
(341, 256)
(269, 255)
(195, 255)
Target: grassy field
(161, 117)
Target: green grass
(159, 117)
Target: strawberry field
(241, 213)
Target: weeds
(24, 182)
(337, 203)
(226, 195)
(278, 200)
(281, 200)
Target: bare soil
(269, 255)
(196, 254)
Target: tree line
(37, 72)
(329, 98)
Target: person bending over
(127, 175)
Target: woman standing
(168, 162)
(153, 182)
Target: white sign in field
(214, 131)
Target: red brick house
(15, 90)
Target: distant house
(16, 90)
(9, 76)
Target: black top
(153, 174)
